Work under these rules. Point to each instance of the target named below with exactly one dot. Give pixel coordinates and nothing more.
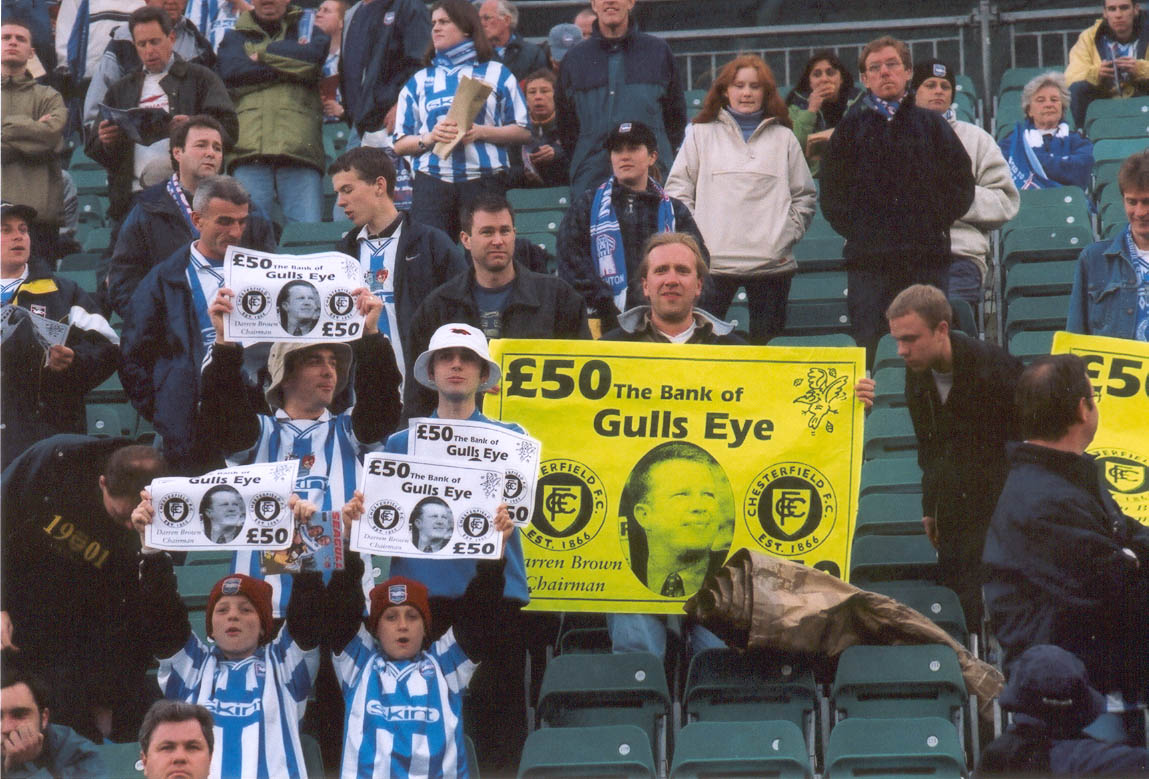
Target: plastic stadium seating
(1100, 111)
(891, 474)
(309, 237)
(98, 239)
(122, 761)
(90, 181)
(80, 261)
(1122, 127)
(886, 355)
(585, 640)
(611, 750)
(1108, 155)
(1043, 313)
(539, 221)
(546, 199)
(548, 241)
(889, 514)
(727, 685)
(694, 98)
(738, 314)
(1050, 198)
(890, 388)
(892, 558)
(580, 690)
(940, 604)
(1056, 215)
(905, 748)
(1031, 244)
(1015, 79)
(711, 749)
(110, 419)
(827, 339)
(898, 681)
(196, 581)
(1028, 345)
(964, 318)
(110, 391)
(819, 253)
(1035, 279)
(889, 433)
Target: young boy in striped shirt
(403, 694)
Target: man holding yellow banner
(661, 460)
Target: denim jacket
(1104, 298)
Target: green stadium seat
(1108, 155)
(315, 236)
(110, 391)
(711, 749)
(335, 136)
(1058, 215)
(820, 227)
(886, 355)
(1053, 197)
(620, 751)
(817, 317)
(121, 761)
(545, 199)
(108, 419)
(538, 222)
(1043, 313)
(819, 254)
(80, 261)
(738, 314)
(889, 433)
(580, 690)
(208, 557)
(729, 685)
(1113, 229)
(312, 756)
(694, 99)
(81, 161)
(876, 682)
(826, 339)
(965, 86)
(964, 319)
(891, 474)
(1031, 244)
(889, 514)
(1122, 127)
(884, 558)
(905, 748)
(1101, 112)
(1028, 345)
(890, 387)
(90, 181)
(1015, 79)
(585, 641)
(547, 241)
(92, 209)
(98, 239)
(196, 581)
(85, 279)
(1039, 278)
(940, 604)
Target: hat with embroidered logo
(631, 134)
(397, 591)
(562, 38)
(934, 68)
(255, 590)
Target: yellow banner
(1119, 370)
(661, 459)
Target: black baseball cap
(27, 213)
(631, 134)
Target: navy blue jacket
(153, 230)
(398, 34)
(1057, 572)
(892, 188)
(163, 350)
(429, 258)
(598, 90)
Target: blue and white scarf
(1024, 167)
(606, 237)
(455, 57)
(199, 299)
(176, 192)
(887, 108)
(1141, 269)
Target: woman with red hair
(742, 172)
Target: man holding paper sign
(457, 366)
(457, 116)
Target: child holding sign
(403, 693)
(458, 366)
(254, 682)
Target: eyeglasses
(890, 65)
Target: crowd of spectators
(209, 122)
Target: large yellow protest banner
(661, 459)
(1119, 370)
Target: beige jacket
(752, 200)
(31, 167)
(995, 199)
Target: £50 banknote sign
(659, 460)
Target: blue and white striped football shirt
(330, 461)
(403, 718)
(256, 702)
(426, 98)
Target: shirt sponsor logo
(403, 713)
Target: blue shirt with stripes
(427, 96)
(403, 718)
(256, 702)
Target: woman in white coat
(742, 172)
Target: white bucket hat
(277, 366)
(457, 334)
